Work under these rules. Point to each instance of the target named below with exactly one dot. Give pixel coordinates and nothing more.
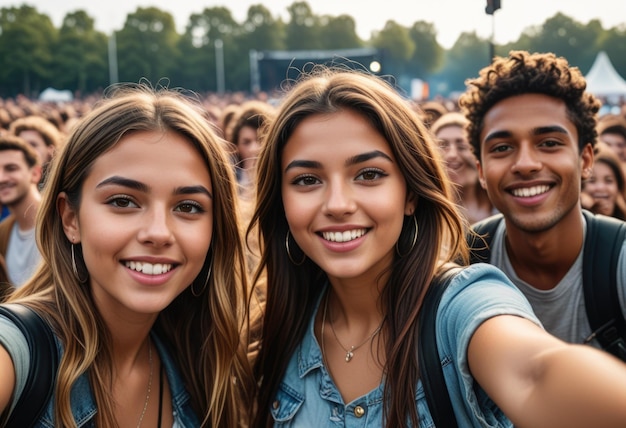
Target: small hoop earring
(75, 268)
(289, 252)
(206, 282)
(415, 233)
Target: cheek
(296, 212)
(196, 241)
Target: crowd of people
(263, 262)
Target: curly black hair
(530, 73)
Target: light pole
(113, 77)
(219, 65)
(492, 6)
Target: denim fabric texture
(308, 397)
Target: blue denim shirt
(307, 396)
(84, 408)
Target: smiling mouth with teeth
(527, 192)
(345, 236)
(149, 268)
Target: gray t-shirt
(561, 309)
(22, 255)
(13, 340)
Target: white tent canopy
(603, 80)
(55, 95)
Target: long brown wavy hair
(202, 333)
(292, 291)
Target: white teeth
(149, 268)
(346, 236)
(530, 191)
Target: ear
(69, 218)
(410, 205)
(35, 174)
(481, 178)
(586, 162)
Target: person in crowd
(612, 132)
(449, 130)
(247, 124)
(604, 192)
(357, 216)
(431, 111)
(20, 173)
(532, 125)
(42, 135)
(143, 280)
(227, 114)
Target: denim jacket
(307, 396)
(84, 408)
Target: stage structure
(269, 69)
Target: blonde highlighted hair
(202, 333)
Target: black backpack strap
(480, 241)
(431, 372)
(43, 365)
(603, 243)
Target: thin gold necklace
(145, 405)
(349, 352)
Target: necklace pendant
(349, 356)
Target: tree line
(213, 54)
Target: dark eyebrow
(124, 182)
(303, 164)
(535, 131)
(192, 190)
(364, 157)
(137, 185)
(549, 130)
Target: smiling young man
(20, 172)
(533, 128)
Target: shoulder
(481, 291)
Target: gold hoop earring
(289, 252)
(415, 233)
(206, 282)
(75, 268)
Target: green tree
(614, 43)
(464, 60)
(398, 48)
(339, 32)
(261, 31)
(147, 46)
(427, 57)
(80, 60)
(26, 41)
(211, 36)
(303, 29)
(568, 38)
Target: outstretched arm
(541, 381)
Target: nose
(255, 147)
(451, 153)
(156, 228)
(526, 160)
(340, 200)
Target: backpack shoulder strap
(603, 243)
(43, 365)
(479, 238)
(431, 373)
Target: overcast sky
(450, 17)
